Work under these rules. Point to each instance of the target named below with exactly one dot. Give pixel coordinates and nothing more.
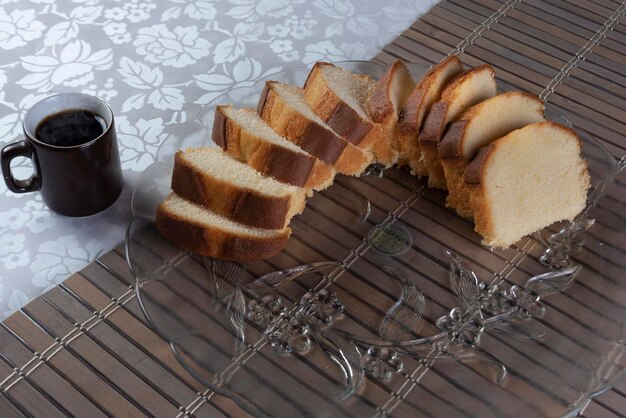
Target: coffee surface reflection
(70, 127)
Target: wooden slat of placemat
(595, 410)
(117, 370)
(107, 338)
(535, 46)
(613, 401)
(123, 377)
(47, 380)
(7, 409)
(93, 384)
(129, 321)
(110, 276)
(119, 277)
(23, 393)
(33, 402)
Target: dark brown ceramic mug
(73, 179)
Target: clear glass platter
(384, 302)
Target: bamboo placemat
(573, 53)
(85, 349)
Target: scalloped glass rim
(144, 200)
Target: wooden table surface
(84, 348)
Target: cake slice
(202, 231)
(412, 114)
(465, 90)
(476, 127)
(388, 96)
(339, 98)
(211, 178)
(246, 137)
(525, 181)
(285, 109)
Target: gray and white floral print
(156, 63)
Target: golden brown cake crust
(458, 195)
(380, 107)
(436, 120)
(416, 108)
(449, 147)
(214, 242)
(408, 127)
(429, 140)
(449, 92)
(242, 205)
(308, 135)
(394, 86)
(454, 169)
(409, 121)
(218, 132)
(413, 112)
(475, 175)
(481, 211)
(433, 124)
(342, 119)
(283, 164)
(453, 151)
(474, 170)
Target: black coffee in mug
(70, 127)
(70, 137)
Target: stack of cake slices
(502, 163)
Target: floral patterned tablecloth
(156, 63)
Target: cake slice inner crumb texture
(254, 125)
(350, 89)
(226, 168)
(207, 218)
(294, 96)
(529, 190)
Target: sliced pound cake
(412, 114)
(464, 91)
(202, 231)
(383, 106)
(525, 181)
(477, 127)
(246, 137)
(211, 178)
(339, 98)
(285, 109)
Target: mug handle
(19, 149)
